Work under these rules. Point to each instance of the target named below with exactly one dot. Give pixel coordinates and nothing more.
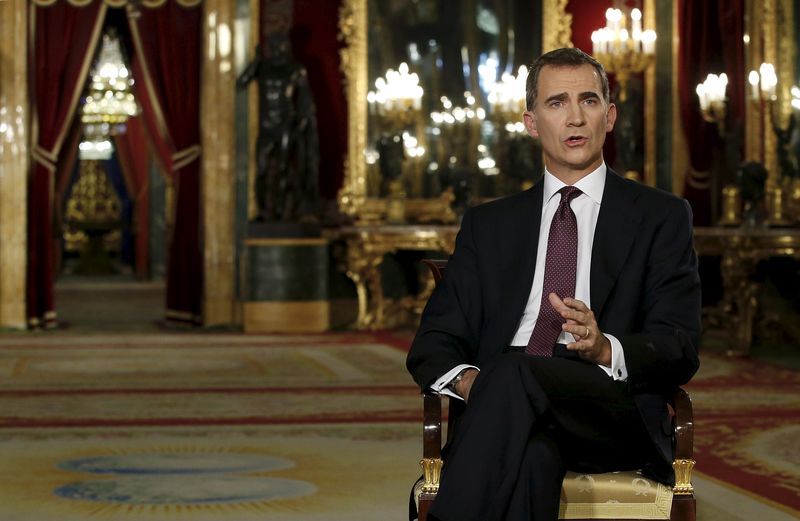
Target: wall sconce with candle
(712, 100)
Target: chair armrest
(432, 426)
(431, 444)
(684, 444)
(684, 424)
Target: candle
(753, 80)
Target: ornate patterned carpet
(747, 428)
(297, 428)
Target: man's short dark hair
(564, 57)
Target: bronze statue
(287, 153)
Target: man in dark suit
(566, 315)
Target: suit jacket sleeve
(448, 334)
(662, 352)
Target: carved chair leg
(424, 505)
(684, 508)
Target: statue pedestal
(285, 279)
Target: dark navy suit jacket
(644, 288)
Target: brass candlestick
(777, 214)
(731, 206)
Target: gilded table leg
(740, 301)
(363, 268)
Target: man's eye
(556, 104)
(590, 101)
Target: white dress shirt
(586, 207)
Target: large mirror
(436, 93)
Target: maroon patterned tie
(559, 274)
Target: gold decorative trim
(650, 105)
(119, 3)
(354, 199)
(14, 161)
(185, 156)
(556, 25)
(752, 54)
(252, 113)
(183, 316)
(770, 27)
(286, 242)
(683, 477)
(284, 316)
(431, 471)
(217, 130)
(680, 159)
(353, 32)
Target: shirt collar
(591, 184)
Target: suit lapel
(617, 223)
(518, 278)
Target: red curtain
(588, 16)
(711, 41)
(134, 157)
(315, 44)
(166, 64)
(64, 170)
(63, 40)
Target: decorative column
(217, 139)
(650, 104)
(14, 125)
(770, 51)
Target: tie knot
(568, 193)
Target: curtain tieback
(45, 158)
(183, 157)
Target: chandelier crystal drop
(110, 99)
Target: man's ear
(611, 117)
(529, 118)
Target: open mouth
(576, 140)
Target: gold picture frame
(354, 200)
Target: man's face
(571, 119)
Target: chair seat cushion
(614, 495)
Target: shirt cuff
(618, 370)
(441, 385)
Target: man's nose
(575, 116)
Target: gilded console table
(741, 249)
(366, 246)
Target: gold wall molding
(119, 3)
(217, 163)
(252, 112)
(769, 36)
(556, 25)
(770, 25)
(353, 32)
(650, 104)
(14, 162)
(680, 158)
(354, 199)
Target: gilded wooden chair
(609, 496)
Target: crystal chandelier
(109, 101)
(622, 50)
(507, 100)
(397, 97)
